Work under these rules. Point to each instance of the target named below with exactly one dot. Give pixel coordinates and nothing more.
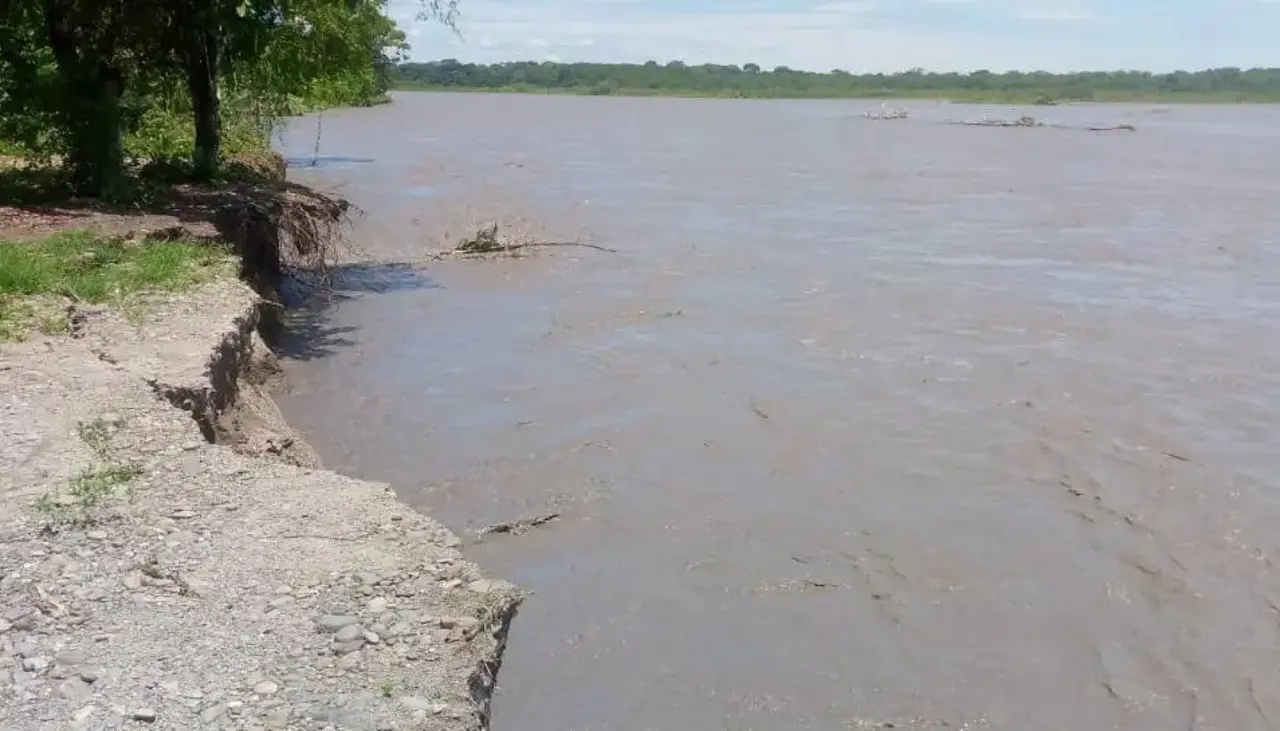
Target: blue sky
(863, 35)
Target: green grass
(82, 266)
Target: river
(864, 423)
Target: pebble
(75, 689)
(344, 648)
(70, 657)
(146, 715)
(278, 718)
(82, 715)
(132, 580)
(90, 675)
(335, 622)
(461, 622)
(348, 633)
(97, 535)
(372, 638)
(35, 664)
(213, 713)
(27, 623)
(378, 605)
(182, 514)
(266, 687)
(486, 586)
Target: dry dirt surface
(206, 587)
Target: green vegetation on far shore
(676, 79)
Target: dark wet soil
(866, 423)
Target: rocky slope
(152, 579)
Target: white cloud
(859, 35)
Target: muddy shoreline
(235, 585)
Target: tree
(76, 74)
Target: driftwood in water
(886, 114)
(1114, 128)
(1023, 121)
(516, 527)
(489, 241)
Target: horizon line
(829, 72)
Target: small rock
(486, 586)
(5, 626)
(459, 622)
(82, 715)
(61, 672)
(182, 514)
(213, 713)
(372, 638)
(70, 657)
(278, 718)
(266, 687)
(350, 660)
(368, 578)
(35, 664)
(335, 622)
(349, 633)
(345, 648)
(75, 689)
(417, 703)
(146, 715)
(96, 535)
(132, 580)
(90, 674)
(378, 605)
(27, 623)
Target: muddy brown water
(866, 422)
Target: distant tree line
(749, 80)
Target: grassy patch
(82, 266)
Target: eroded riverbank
(867, 422)
(150, 578)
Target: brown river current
(865, 423)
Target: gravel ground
(151, 579)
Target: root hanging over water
(285, 226)
(490, 241)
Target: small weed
(87, 492)
(387, 689)
(96, 434)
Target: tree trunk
(202, 83)
(90, 108)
